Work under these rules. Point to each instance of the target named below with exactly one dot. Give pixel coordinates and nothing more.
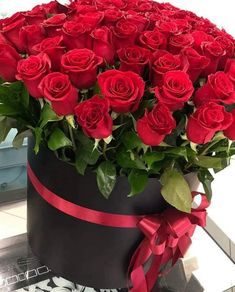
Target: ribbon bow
(167, 237)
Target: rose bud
(91, 20)
(58, 89)
(76, 35)
(93, 116)
(102, 44)
(162, 62)
(152, 40)
(54, 49)
(206, 121)
(81, 66)
(11, 27)
(8, 62)
(213, 51)
(124, 34)
(133, 59)
(31, 35)
(153, 127)
(230, 70)
(230, 131)
(32, 70)
(54, 24)
(124, 90)
(219, 88)
(176, 89)
(178, 42)
(196, 62)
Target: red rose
(11, 27)
(183, 26)
(153, 127)
(133, 59)
(107, 4)
(124, 34)
(35, 16)
(81, 66)
(167, 28)
(230, 131)
(58, 89)
(140, 6)
(196, 62)
(93, 116)
(111, 16)
(199, 38)
(32, 70)
(31, 35)
(3, 39)
(54, 24)
(76, 35)
(140, 21)
(102, 44)
(152, 40)
(178, 42)
(230, 70)
(206, 121)
(213, 51)
(162, 62)
(177, 89)
(219, 88)
(8, 62)
(228, 45)
(123, 89)
(54, 49)
(90, 19)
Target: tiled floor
(12, 219)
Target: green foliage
(58, 139)
(138, 179)
(106, 178)
(175, 190)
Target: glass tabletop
(21, 271)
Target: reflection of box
(12, 170)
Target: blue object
(13, 176)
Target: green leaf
(24, 99)
(138, 180)
(176, 190)
(129, 159)
(48, 115)
(38, 139)
(177, 151)
(6, 124)
(131, 140)
(80, 163)
(19, 138)
(152, 157)
(9, 110)
(206, 178)
(208, 162)
(58, 140)
(106, 178)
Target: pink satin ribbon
(167, 235)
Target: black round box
(88, 254)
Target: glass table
(21, 271)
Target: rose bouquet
(123, 88)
